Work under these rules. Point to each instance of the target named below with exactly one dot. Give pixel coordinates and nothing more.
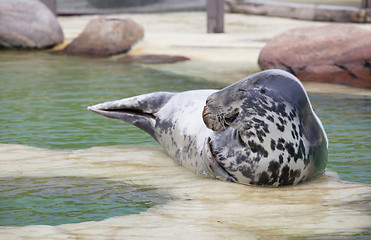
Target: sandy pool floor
(199, 208)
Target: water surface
(59, 200)
(44, 99)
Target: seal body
(261, 130)
(180, 130)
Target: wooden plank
(366, 3)
(311, 12)
(215, 16)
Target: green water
(44, 99)
(59, 200)
(347, 120)
(43, 104)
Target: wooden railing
(304, 11)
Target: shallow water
(59, 200)
(44, 99)
(347, 121)
(43, 104)
(198, 208)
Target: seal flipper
(139, 111)
(212, 165)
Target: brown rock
(28, 24)
(105, 37)
(152, 59)
(335, 53)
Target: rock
(105, 37)
(28, 24)
(152, 59)
(335, 53)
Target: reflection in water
(44, 100)
(60, 200)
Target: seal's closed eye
(231, 118)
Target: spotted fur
(261, 130)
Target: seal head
(266, 131)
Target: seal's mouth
(217, 121)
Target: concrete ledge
(312, 12)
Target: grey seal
(261, 130)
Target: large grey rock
(335, 53)
(28, 24)
(105, 37)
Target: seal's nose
(209, 100)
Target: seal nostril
(262, 91)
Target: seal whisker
(221, 119)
